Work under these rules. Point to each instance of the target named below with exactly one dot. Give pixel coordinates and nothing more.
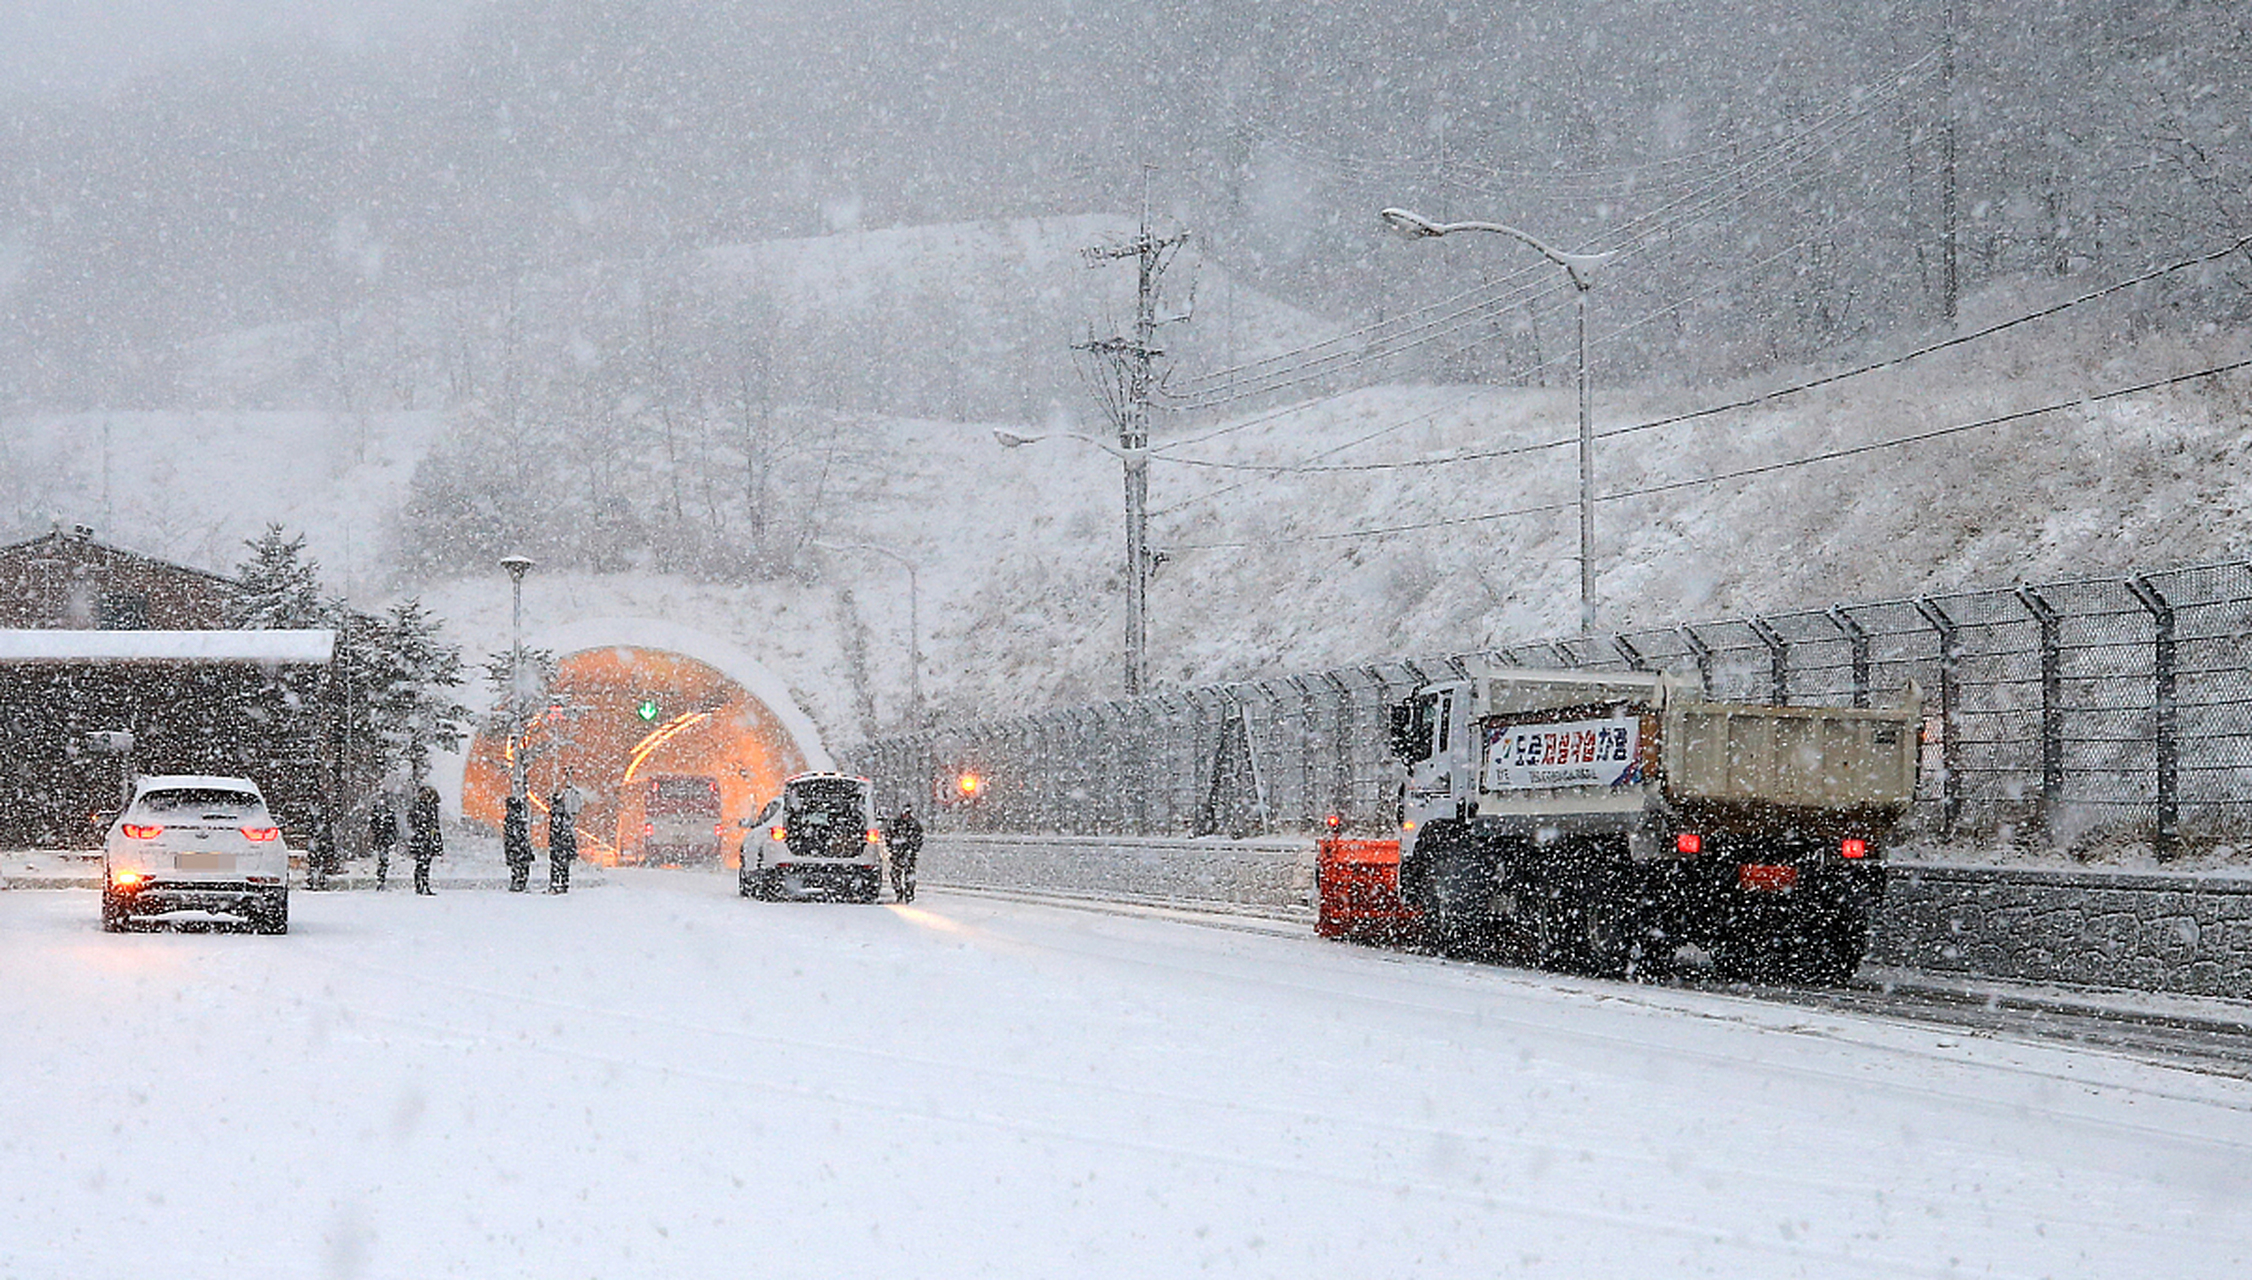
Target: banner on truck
(1577, 753)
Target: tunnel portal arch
(642, 700)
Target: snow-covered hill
(1020, 550)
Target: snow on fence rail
(2077, 712)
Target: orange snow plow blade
(1360, 890)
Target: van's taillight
(648, 829)
(124, 879)
(1854, 847)
(1689, 842)
(261, 834)
(874, 835)
(779, 833)
(136, 831)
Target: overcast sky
(85, 46)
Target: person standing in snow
(516, 842)
(424, 841)
(903, 838)
(562, 835)
(383, 833)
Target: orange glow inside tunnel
(625, 716)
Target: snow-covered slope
(1020, 550)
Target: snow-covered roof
(148, 782)
(284, 648)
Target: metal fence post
(2169, 835)
(1627, 651)
(2045, 616)
(1702, 652)
(1778, 660)
(1950, 746)
(1341, 755)
(1857, 636)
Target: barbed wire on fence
(2069, 713)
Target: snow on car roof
(191, 781)
(279, 647)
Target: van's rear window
(186, 799)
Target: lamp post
(1582, 268)
(914, 619)
(1135, 456)
(517, 567)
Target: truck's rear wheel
(1559, 921)
(1620, 929)
(1834, 949)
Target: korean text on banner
(1577, 753)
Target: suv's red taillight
(261, 834)
(136, 831)
(1854, 847)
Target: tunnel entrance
(640, 731)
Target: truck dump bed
(1792, 757)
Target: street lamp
(1136, 459)
(914, 623)
(1582, 268)
(517, 567)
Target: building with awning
(195, 697)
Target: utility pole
(1950, 283)
(1132, 362)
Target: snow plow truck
(1601, 822)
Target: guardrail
(2176, 933)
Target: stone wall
(2181, 934)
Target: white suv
(194, 843)
(817, 839)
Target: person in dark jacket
(903, 838)
(562, 836)
(516, 842)
(383, 834)
(424, 841)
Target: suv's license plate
(203, 862)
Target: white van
(194, 843)
(817, 839)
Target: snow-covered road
(656, 1078)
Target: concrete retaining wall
(2181, 934)
(1256, 877)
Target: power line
(1764, 397)
(1827, 455)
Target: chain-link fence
(2077, 712)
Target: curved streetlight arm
(1582, 267)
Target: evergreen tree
(410, 673)
(521, 695)
(280, 585)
